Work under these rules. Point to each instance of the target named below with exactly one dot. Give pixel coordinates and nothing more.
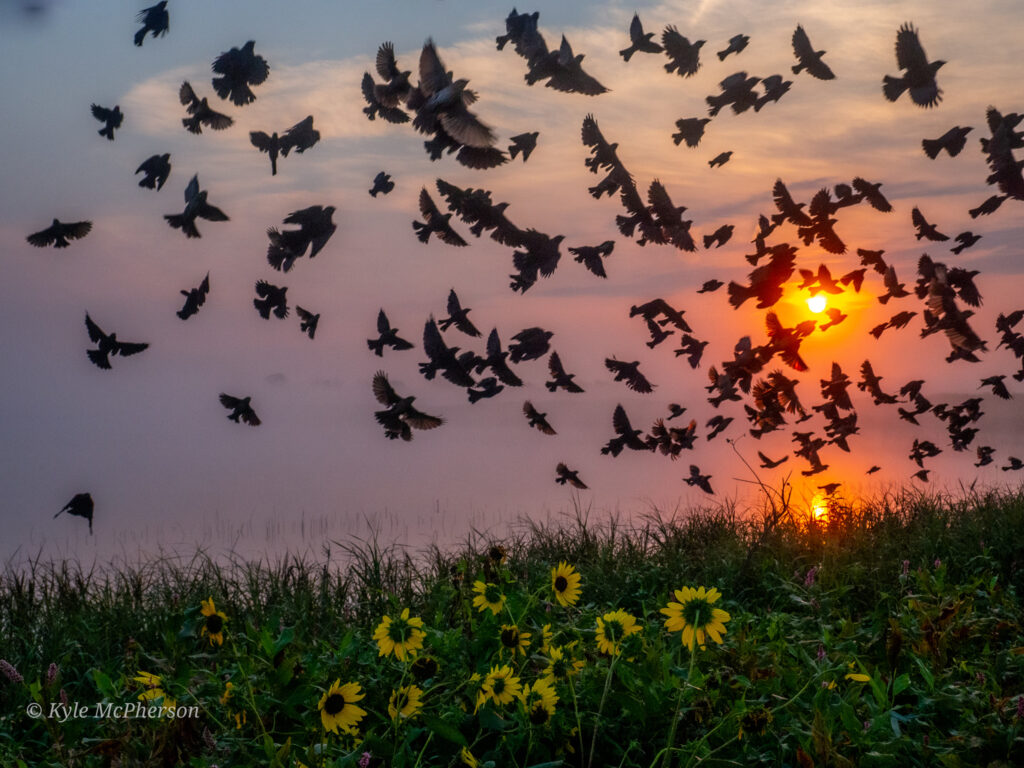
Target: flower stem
(600, 707)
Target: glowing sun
(817, 303)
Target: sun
(817, 303)
(819, 508)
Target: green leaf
(445, 730)
(490, 721)
(103, 683)
(285, 638)
(929, 678)
(552, 764)
(900, 684)
(850, 719)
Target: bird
(775, 87)
(496, 361)
(308, 321)
(736, 44)
(559, 378)
(195, 207)
(998, 386)
(989, 206)
(111, 119)
(683, 56)
(382, 184)
(530, 344)
(270, 144)
(870, 192)
(872, 469)
(241, 409)
(922, 475)
(194, 298)
(486, 387)
(720, 236)
(389, 111)
(738, 91)
(435, 222)
(710, 286)
(717, 424)
(591, 256)
(566, 72)
(952, 141)
(107, 345)
(536, 419)
(720, 159)
(626, 436)
(964, 240)
(445, 102)
(691, 130)
(523, 143)
(81, 505)
(1014, 465)
(388, 337)
(458, 316)
(58, 234)
(570, 476)
(925, 230)
(155, 20)
(270, 298)
(400, 417)
(808, 58)
(300, 137)
(767, 463)
(919, 78)
(835, 317)
(697, 479)
(873, 259)
(239, 68)
(630, 374)
(315, 228)
(894, 288)
(201, 112)
(442, 358)
(639, 41)
(156, 169)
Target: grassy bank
(889, 634)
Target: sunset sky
(149, 438)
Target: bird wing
(126, 348)
(192, 190)
(433, 344)
(188, 97)
(382, 389)
(421, 420)
(433, 76)
(229, 402)
(101, 113)
(909, 53)
(466, 128)
(204, 287)
(261, 141)
(620, 422)
(211, 212)
(96, 334)
(383, 325)
(387, 65)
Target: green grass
(917, 595)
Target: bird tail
(107, 131)
(263, 307)
(149, 182)
(178, 221)
(422, 231)
(377, 345)
(739, 294)
(708, 240)
(140, 36)
(892, 87)
(474, 395)
(723, 54)
(931, 147)
(192, 124)
(797, 68)
(373, 192)
(99, 358)
(513, 150)
(627, 53)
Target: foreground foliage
(890, 634)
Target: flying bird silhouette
(382, 184)
(570, 476)
(444, 100)
(400, 417)
(58, 234)
(107, 345)
(201, 112)
(919, 78)
(315, 229)
(156, 169)
(808, 58)
(924, 228)
(271, 298)
(626, 436)
(194, 298)
(964, 240)
(537, 419)
(684, 56)
(767, 463)
(111, 119)
(81, 505)
(639, 41)
(435, 222)
(155, 20)
(630, 374)
(691, 130)
(720, 159)
(308, 321)
(241, 409)
(701, 481)
(559, 378)
(239, 68)
(736, 44)
(195, 207)
(458, 316)
(523, 143)
(442, 358)
(388, 337)
(952, 141)
(590, 256)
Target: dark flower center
(613, 630)
(424, 668)
(401, 699)
(498, 685)
(561, 583)
(539, 714)
(697, 613)
(398, 631)
(510, 637)
(497, 554)
(334, 704)
(214, 624)
(492, 594)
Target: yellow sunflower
(560, 666)
(405, 702)
(500, 686)
(513, 640)
(695, 616)
(546, 636)
(402, 636)
(154, 689)
(612, 629)
(540, 700)
(488, 596)
(468, 759)
(565, 582)
(338, 710)
(213, 627)
(227, 693)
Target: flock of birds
(760, 376)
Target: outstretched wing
(382, 389)
(96, 334)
